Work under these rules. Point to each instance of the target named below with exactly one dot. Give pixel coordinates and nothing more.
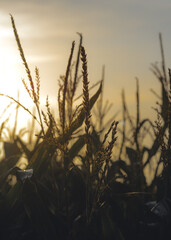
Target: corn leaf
(37, 211)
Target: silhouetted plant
(72, 187)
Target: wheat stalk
(23, 58)
(32, 93)
(65, 86)
(37, 84)
(86, 102)
(76, 67)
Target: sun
(11, 73)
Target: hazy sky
(122, 34)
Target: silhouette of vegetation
(72, 185)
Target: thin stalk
(163, 59)
(17, 102)
(16, 117)
(41, 122)
(65, 86)
(33, 95)
(169, 122)
(137, 117)
(86, 105)
(76, 67)
(101, 100)
(124, 122)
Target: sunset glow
(85, 119)
(115, 34)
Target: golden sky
(122, 34)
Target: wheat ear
(32, 93)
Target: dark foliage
(67, 192)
